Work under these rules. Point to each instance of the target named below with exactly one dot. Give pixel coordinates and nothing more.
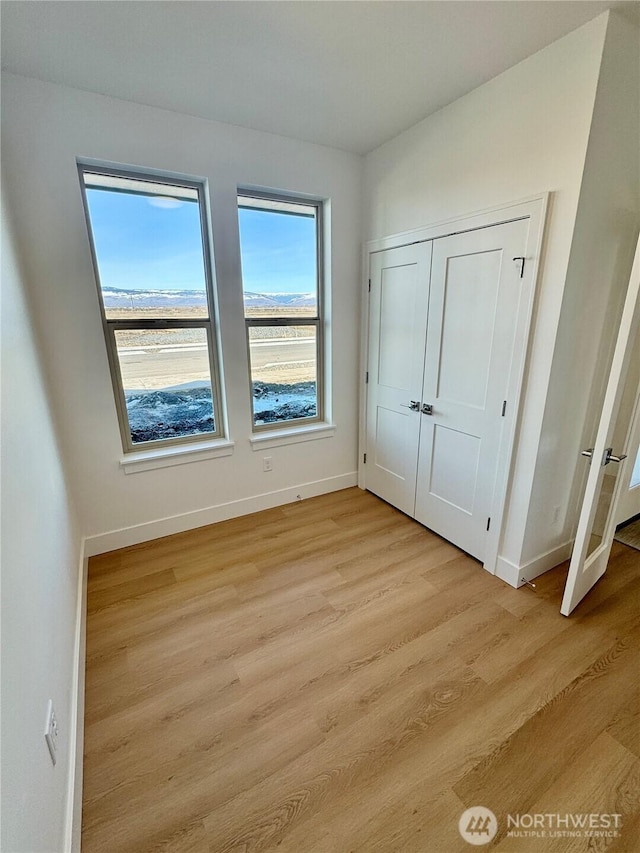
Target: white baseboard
(515, 575)
(221, 512)
(76, 726)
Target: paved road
(288, 360)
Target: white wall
(40, 578)
(602, 252)
(601, 257)
(46, 128)
(522, 133)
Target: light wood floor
(630, 534)
(330, 677)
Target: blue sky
(278, 252)
(147, 243)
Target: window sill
(291, 435)
(147, 460)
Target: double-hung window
(281, 254)
(150, 246)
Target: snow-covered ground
(155, 415)
(273, 403)
(163, 414)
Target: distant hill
(264, 300)
(122, 298)
(115, 297)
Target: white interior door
(397, 322)
(473, 308)
(596, 527)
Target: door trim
(535, 209)
(632, 448)
(485, 218)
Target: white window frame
(293, 425)
(209, 324)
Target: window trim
(317, 320)
(169, 457)
(209, 324)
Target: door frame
(629, 501)
(633, 448)
(535, 209)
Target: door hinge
(366, 378)
(364, 458)
(488, 523)
(504, 408)
(369, 285)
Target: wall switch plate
(267, 463)
(51, 731)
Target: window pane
(283, 373)
(278, 246)
(148, 244)
(167, 382)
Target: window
(150, 250)
(281, 251)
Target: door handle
(609, 457)
(522, 260)
(427, 409)
(414, 405)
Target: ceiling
(347, 74)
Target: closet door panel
(474, 297)
(398, 306)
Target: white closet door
(473, 307)
(397, 323)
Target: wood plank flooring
(330, 677)
(630, 534)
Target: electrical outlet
(267, 463)
(556, 515)
(51, 731)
